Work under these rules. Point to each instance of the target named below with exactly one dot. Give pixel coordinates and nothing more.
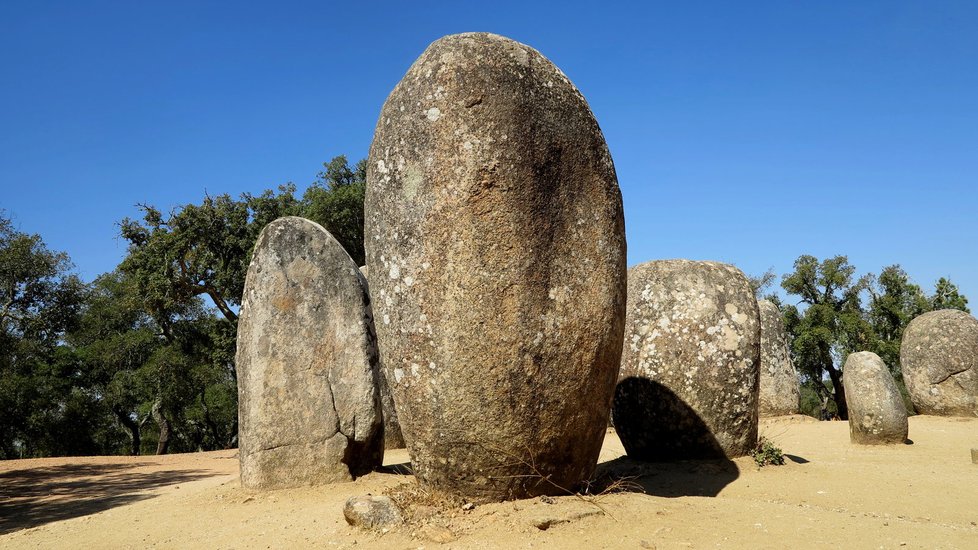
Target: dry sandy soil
(829, 494)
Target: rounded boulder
(688, 386)
(939, 359)
(877, 415)
(496, 249)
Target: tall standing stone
(877, 415)
(496, 248)
(308, 404)
(939, 358)
(688, 386)
(779, 388)
(393, 438)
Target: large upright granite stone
(393, 438)
(779, 388)
(877, 415)
(308, 404)
(688, 386)
(939, 358)
(496, 248)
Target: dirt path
(830, 494)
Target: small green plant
(766, 453)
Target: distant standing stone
(308, 404)
(939, 358)
(779, 388)
(688, 386)
(393, 438)
(496, 247)
(877, 414)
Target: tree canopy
(39, 303)
(837, 314)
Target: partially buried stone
(688, 386)
(393, 438)
(372, 512)
(779, 388)
(877, 414)
(309, 407)
(939, 359)
(496, 248)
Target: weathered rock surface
(393, 438)
(779, 387)
(372, 512)
(308, 404)
(496, 248)
(939, 358)
(877, 415)
(688, 386)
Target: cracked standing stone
(496, 248)
(939, 359)
(308, 402)
(688, 386)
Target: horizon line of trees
(141, 360)
(837, 313)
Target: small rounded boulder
(877, 415)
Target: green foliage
(946, 296)
(203, 250)
(137, 361)
(832, 324)
(335, 201)
(766, 453)
(760, 283)
(39, 302)
(894, 301)
(197, 250)
(813, 401)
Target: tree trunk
(209, 422)
(7, 448)
(165, 429)
(233, 439)
(133, 428)
(840, 393)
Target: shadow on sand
(34, 496)
(671, 450)
(402, 469)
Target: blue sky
(748, 132)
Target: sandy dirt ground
(829, 494)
